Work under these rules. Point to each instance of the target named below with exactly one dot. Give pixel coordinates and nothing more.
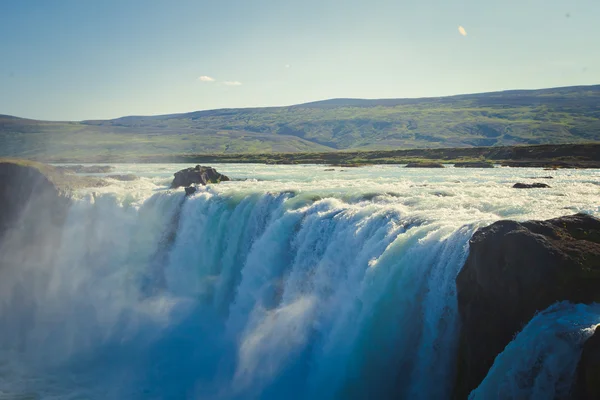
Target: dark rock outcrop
(513, 271)
(424, 165)
(197, 175)
(587, 385)
(190, 190)
(536, 185)
(474, 164)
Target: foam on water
(289, 282)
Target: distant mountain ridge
(543, 116)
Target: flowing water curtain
(315, 302)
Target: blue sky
(86, 59)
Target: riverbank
(543, 156)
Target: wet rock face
(513, 271)
(197, 175)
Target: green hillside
(548, 116)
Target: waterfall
(256, 294)
(271, 295)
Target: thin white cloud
(462, 30)
(232, 83)
(205, 78)
(288, 66)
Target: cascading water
(251, 290)
(266, 295)
(541, 361)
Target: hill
(546, 116)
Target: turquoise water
(287, 282)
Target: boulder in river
(535, 185)
(513, 271)
(197, 175)
(190, 190)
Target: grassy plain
(548, 116)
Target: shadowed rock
(197, 175)
(190, 190)
(587, 385)
(513, 271)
